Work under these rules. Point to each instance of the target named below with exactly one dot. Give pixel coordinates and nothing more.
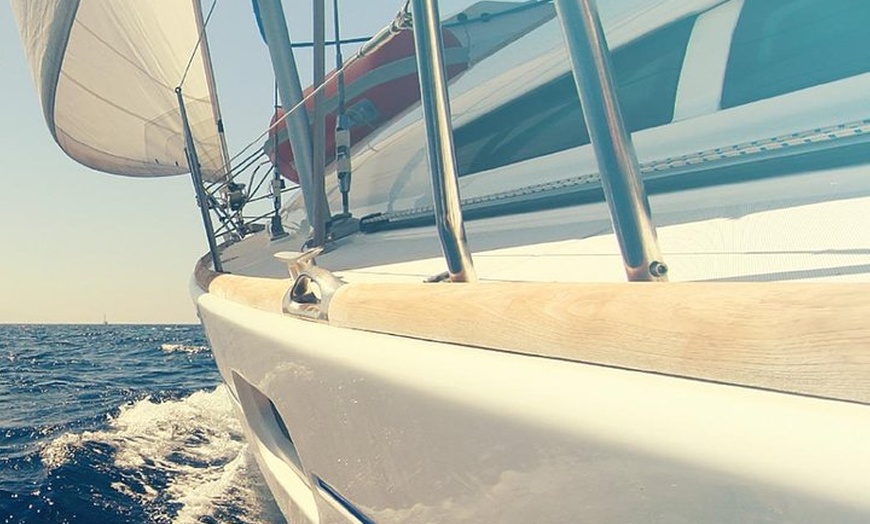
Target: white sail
(106, 73)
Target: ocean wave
(183, 348)
(183, 461)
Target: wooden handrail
(265, 294)
(805, 338)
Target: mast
(270, 16)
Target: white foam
(196, 442)
(183, 348)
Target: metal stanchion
(617, 162)
(439, 135)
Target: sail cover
(106, 73)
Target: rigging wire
(253, 175)
(338, 71)
(286, 114)
(260, 184)
(243, 164)
(405, 11)
(276, 104)
(246, 163)
(198, 43)
(337, 42)
(339, 60)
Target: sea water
(120, 424)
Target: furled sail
(106, 73)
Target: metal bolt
(658, 269)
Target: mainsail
(106, 73)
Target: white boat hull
(392, 429)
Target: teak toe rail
(805, 338)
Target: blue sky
(78, 244)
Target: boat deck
(813, 226)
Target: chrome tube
(321, 206)
(400, 23)
(196, 176)
(375, 42)
(439, 135)
(339, 60)
(290, 89)
(617, 161)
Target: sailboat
(609, 266)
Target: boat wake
(183, 348)
(179, 461)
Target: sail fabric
(106, 73)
